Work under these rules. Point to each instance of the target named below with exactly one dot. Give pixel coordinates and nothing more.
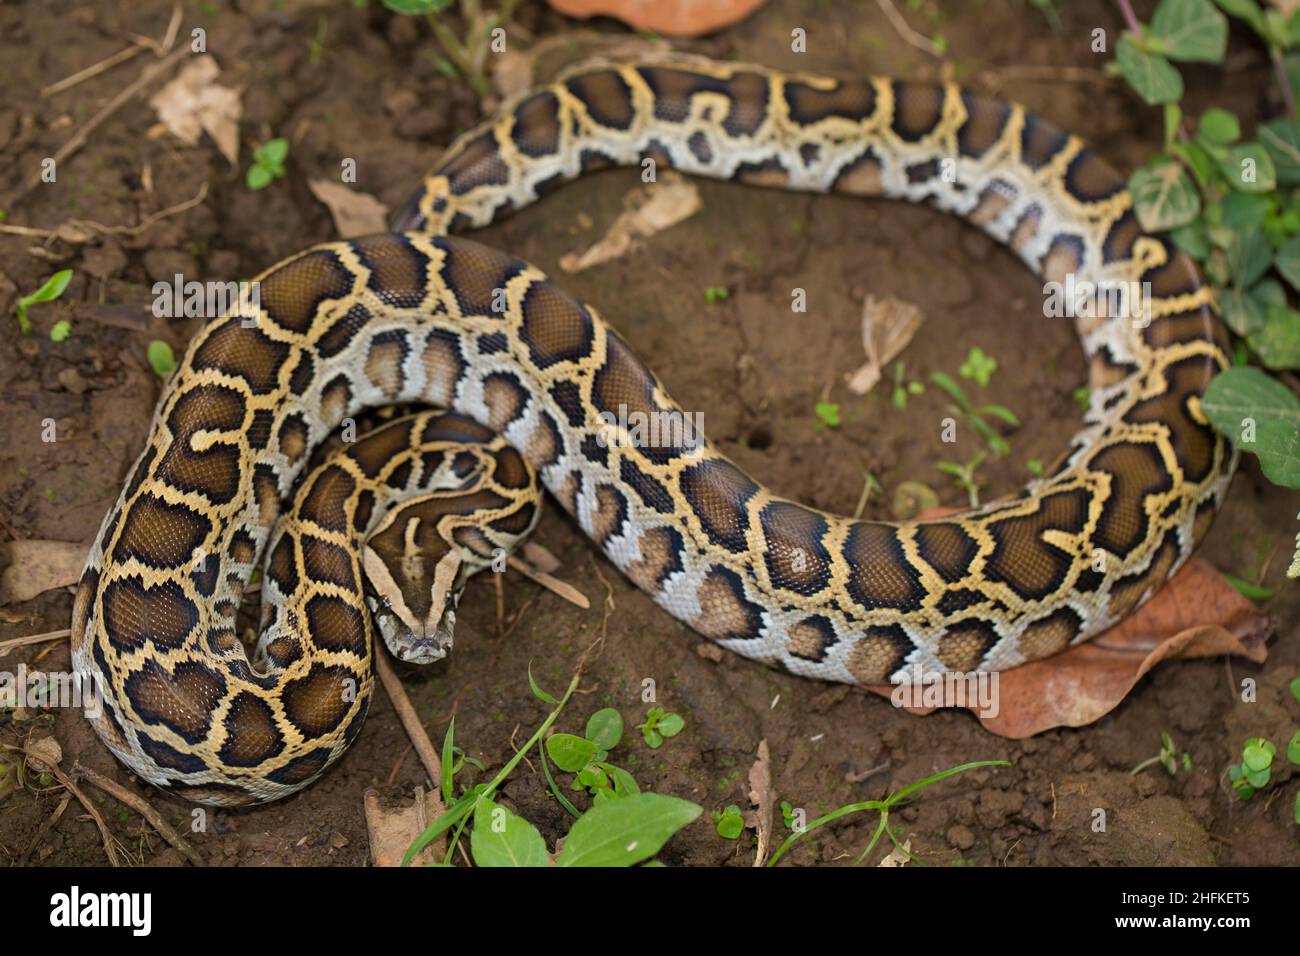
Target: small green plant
(715, 294)
(660, 724)
(964, 476)
(464, 57)
(903, 387)
(1035, 467)
(828, 414)
(48, 292)
(730, 822)
(978, 367)
(977, 416)
(612, 832)
(1255, 769)
(884, 807)
(268, 163)
(161, 359)
(1167, 758)
(60, 330)
(586, 757)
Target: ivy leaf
(1287, 261)
(1192, 31)
(625, 832)
(1153, 77)
(1242, 311)
(1219, 126)
(1245, 392)
(1164, 196)
(1248, 257)
(1281, 137)
(1249, 167)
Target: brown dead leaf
(897, 856)
(39, 566)
(887, 326)
(194, 103)
(1196, 614)
(354, 213)
(650, 209)
(678, 18)
(44, 755)
(760, 795)
(393, 829)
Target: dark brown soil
(754, 369)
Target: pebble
(961, 837)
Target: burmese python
(416, 316)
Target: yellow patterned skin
(419, 316)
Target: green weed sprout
(51, 290)
(268, 163)
(659, 724)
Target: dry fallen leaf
(887, 326)
(39, 566)
(678, 18)
(1196, 614)
(44, 755)
(393, 830)
(354, 213)
(760, 795)
(898, 855)
(193, 103)
(650, 209)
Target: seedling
(978, 367)
(903, 388)
(1255, 770)
(268, 163)
(161, 359)
(962, 405)
(1167, 758)
(883, 807)
(51, 290)
(715, 294)
(60, 330)
(828, 414)
(586, 757)
(730, 822)
(658, 725)
(964, 476)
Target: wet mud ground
(370, 91)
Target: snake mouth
(416, 639)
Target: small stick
(142, 807)
(13, 642)
(104, 832)
(121, 56)
(424, 748)
(901, 27)
(90, 224)
(554, 585)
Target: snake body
(421, 316)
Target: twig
(14, 642)
(140, 806)
(78, 230)
(411, 724)
(920, 41)
(554, 585)
(105, 834)
(103, 66)
(78, 139)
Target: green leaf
(1288, 261)
(978, 366)
(671, 725)
(540, 694)
(1247, 10)
(731, 824)
(1245, 210)
(1192, 240)
(1152, 76)
(51, 290)
(828, 413)
(954, 390)
(1242, 311)
(1163, 196)
(1248, 257)
(502, 838)
(625, 832)
(1245, 392)
(258, 177)
(570, 752)
(61, 330)
(1281, 137)
(605, 728)
(1293, 748)
(1249, 168)
(1256, 756)
(654, 740)
(1278, 341)
(1191, 30)
(161, 358)
(1219, 126)
(1295, 688)
(274, 152)
(1252, 592)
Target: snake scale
(532, 377)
